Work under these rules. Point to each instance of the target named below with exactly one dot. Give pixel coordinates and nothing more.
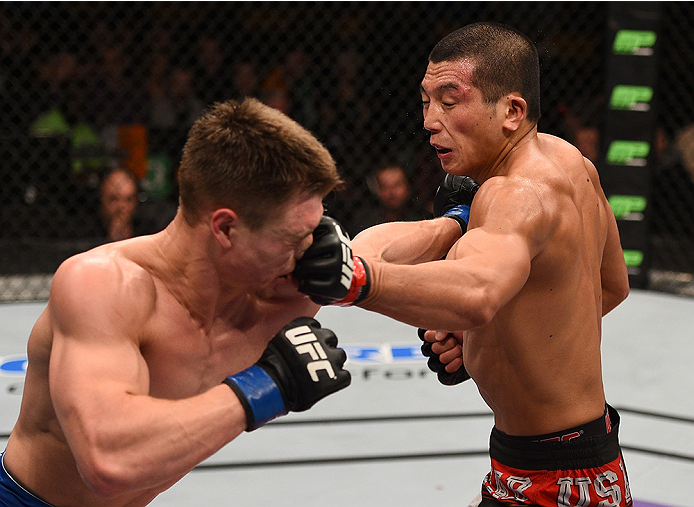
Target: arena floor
(396, 438)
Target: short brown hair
(251, 158)
(504, 61)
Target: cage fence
(91, 86)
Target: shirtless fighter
(520, 296)
(155, 352)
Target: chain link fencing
(90, 86)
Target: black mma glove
(328, 272)
(300, 366)
(435, 364)
(454, 197)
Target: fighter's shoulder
(517, 204)
(105, 261)
(554, 147)
(507, 190)
(565, 156)
(103, 273)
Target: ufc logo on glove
(347, 259)
(306, 342)
(286, 379)
(328, 272)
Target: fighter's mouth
(288, 278)
(441, 150)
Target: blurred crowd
(131, 110)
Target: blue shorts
(14, 495)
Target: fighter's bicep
(503, 261)
(84, 366)
(509, 227)
(407, 242)
(95, 356)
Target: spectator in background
(587, 140)
(685, 145)
(673, 185)
(157, 78)
(101, 36)
(290, 88)
(118, 203)
(246, 80)
(161, 40)
(57, 75)
(211, 79)
(172, 114)
(180, 107)
(20, 51)
(118, 216)
(344, 125)
(115, 96)
(586, 111)
(274, 91)
(393, 201)
(159, 65)
(66, 111)
(302, 89)
(344, 116)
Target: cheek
(303, 246)
(279, 260)
(473, 135)
(472, 122)
(461, 127)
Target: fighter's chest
(188, 360)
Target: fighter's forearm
(423, 296)
(460, 293)
(153, 441)
(407, 242)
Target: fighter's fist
(328, 272)
(454, 197)
(300, 366)
(437, 366)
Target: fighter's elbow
(624, 292)
(613, 296)
(481, 309)
(105, 477)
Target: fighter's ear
(223, 223)
(516, 111)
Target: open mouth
(288, 278)
(440, 150)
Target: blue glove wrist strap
(262, 396)
(458, 213)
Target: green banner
(629, 126)
(634, 42)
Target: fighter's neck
(515, 144)
(187, 269)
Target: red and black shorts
(579, 467)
